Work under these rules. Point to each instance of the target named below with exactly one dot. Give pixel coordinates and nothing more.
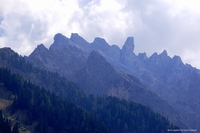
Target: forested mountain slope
(118, 115)
(52, 113)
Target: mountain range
(37, 100)
(165, 84)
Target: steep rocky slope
(170, 78)
(130, 114)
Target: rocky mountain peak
(100, 42)
(153, 57)
(176, 61)
(164, 57)
(6, 52)
(74, 35)
(164, 53)
(160, 58)
(60, 41)
(59, 37)
(142, 56)
(129, 45)
(78, 39)
(41, 47)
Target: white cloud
(156, 24)
(28, 23)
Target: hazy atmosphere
(156, 25)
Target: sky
(156, 25)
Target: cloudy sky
(173, 25)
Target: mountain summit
(128, 46)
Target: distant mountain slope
(95, 74)
(56, 114)
(175, 82)
(44, 111)
(99, 77)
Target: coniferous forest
(61, 106)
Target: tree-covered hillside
(52, 112)
(61, 106)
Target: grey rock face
(128, 46)
(64, 58)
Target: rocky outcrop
(128, 47)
